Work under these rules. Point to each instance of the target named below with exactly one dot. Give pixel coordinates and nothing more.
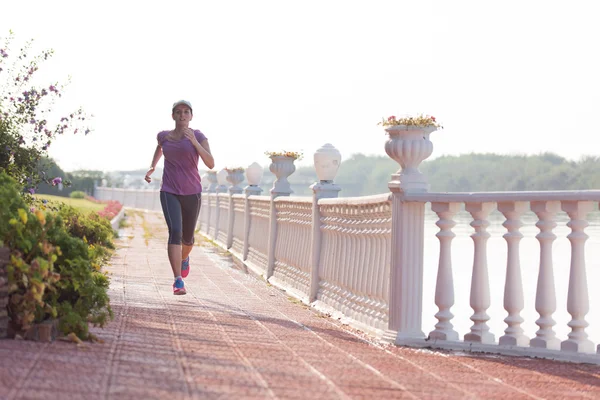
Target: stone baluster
(254, 174)
(545, 299)
(578, 301)
(513, 287)
(480, 285)
(444, 288)
(327, 160)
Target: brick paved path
(235, 337)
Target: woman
(180, 193)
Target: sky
(510, 77)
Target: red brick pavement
(236, 337)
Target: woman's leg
(190, 209)
(173, 215)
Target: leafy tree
(27, 126)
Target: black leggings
(181, 213)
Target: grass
(82, 205)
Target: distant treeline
(362, 175)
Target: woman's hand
(189, 133)
(147, 177)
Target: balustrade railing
(387, 264)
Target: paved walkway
(235, 337)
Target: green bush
(90, 227)
(77, 194)
(55, 267)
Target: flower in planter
(234, 169)
(416, 121)
(293, 154)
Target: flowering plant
(293, 154)
(420, 120)
(111, 210)
(234, 169)
(27, 123)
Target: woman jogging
(180, 192)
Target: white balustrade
(236, 236)
(354, 263)
(223, 218)
(292, 253)
(362, 259)
(258, 233)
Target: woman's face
(182, 114)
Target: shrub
(91, 227)
(77, 194)
(55, 267)
(31, 268)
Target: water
(462, 265)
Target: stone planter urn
(282, 167)
(409, 146)
(235, 176)
(212, 179)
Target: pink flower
(56, 181)
(433, 118)
(393, 117)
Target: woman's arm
(203, 149)
(206, 155)
(157, 156)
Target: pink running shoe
(179, 287)
(185, 267)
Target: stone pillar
(282, 167)
(408, 146)
(235, 177)
(221, 188)
(327, 160)
(211, 188)
(254, 174)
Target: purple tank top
(180, 173)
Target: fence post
(282, 167)
(254, 174)
(212, 178)
(327, 160)
(235, 177)
(222, 188)
(408, 146)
